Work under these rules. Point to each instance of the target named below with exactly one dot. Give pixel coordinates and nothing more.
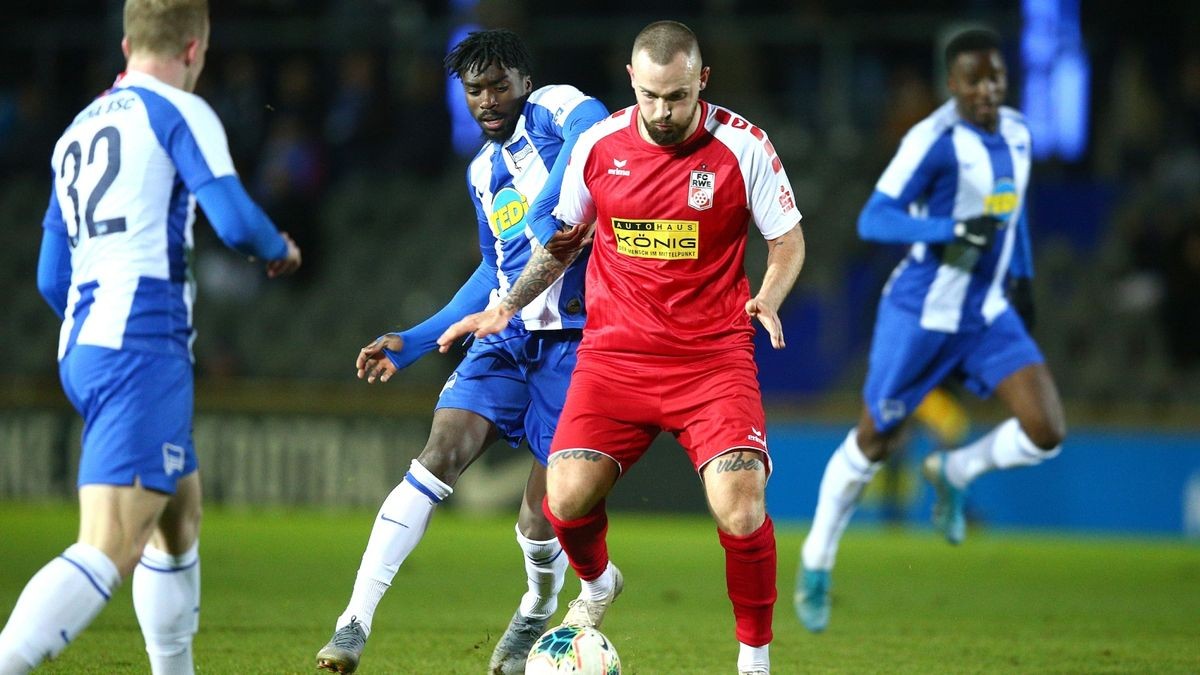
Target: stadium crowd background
(338, 120)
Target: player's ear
(703, 78)
(629, 69)
(125, 46)
(527, 81)
(191, 52)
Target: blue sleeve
(54, 260)
(238, 221)
(1022, 259)
(542, 222)
(487, 238)
(472, 297)
(886, 219)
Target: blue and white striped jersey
(946, 171)
(125, 171)
(515, 183)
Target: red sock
(583, 540)
(750, 579)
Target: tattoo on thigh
(589, 455)
(741, 461)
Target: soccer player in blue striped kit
(128, 173)
(956, 192)
(510, 385)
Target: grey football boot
(344, 650)
(513, 648)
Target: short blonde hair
(662, 40)
(164, 27)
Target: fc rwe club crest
(700, 190)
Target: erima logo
(620, 169)
(172, 459)
(756, 436)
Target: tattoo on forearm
(588, 455)
(741, 461)
(542, 270)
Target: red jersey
(666, 273)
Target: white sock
(1004, 447)
(166, 598)
(545, 571)
(750, 658)
(846, 475)
(601, 586)
(59, 601)
(401, 523)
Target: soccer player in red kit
(670, 186)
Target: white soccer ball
(573, 650)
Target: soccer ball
(573, 650)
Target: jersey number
(112, 166)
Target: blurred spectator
(357, 115)
(26, 127)
(1132, 119)
(291, 176)
(1181, 296)
(291, 168)
(420, 127)
(238, 99)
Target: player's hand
(373, 364)
(566, 242)
(1020, 296)
(481, 324)
(288, 264)
(769, 318)
(978, 231)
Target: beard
(672, 136)
(505, 130)
(510, 114)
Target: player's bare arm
(373, 364)
(546, 264)
(785, 258)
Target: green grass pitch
(904, 602)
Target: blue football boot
(949, 502)
(812, 599)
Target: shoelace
(349, 635)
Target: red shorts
(617, 405)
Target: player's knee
(127, 560)
(567, 504)
(876, 446)
(742, 521)
(445, 459)
(533, 524)
(1047, 433)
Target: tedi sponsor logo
(619, 169)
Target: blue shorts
(518, 380)
(908, 361)
(137, 416)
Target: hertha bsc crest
(700, 190)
